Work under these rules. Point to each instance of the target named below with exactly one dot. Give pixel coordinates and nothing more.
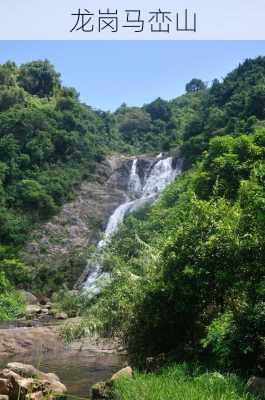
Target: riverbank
(78, 365)
(181, 382)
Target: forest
(188, 276)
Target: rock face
(67, 236)
(65, 239)
(22, 340)
(22, 381)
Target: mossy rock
(100, 391)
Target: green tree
(39, 78)
(195, 85)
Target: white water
(160, 175)
(134, 185)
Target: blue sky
(108, 73)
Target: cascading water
(161, 174)
(134, 184)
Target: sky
(109, 73)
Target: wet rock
(256, 385)
(122, 373)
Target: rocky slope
(63, 242)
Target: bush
(11, 303)
(180, 382)
(74, 303)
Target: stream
(78, 366)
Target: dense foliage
(188, 273)
(49, 143)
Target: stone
(4, 397)
(32, 309)
(29, 298)
(100, 391)
(35, 396)
(7, 374)
(53, 377)
(54, 387)
(25, 370)
(45, 311)
(21, 387)
(24, 382)
(122, 373)
(44, 300)
(256, 385)
(61, 315)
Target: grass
(180, 383)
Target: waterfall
(161, 174)
(134, 184)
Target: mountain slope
(188, 272)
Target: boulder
(122, 373)
(25, 382)
(25, 370)
(52, 377)
(28, 297)
(8, 374)
(100, 391)
(256, 385)
(54, 386)
(32, 309)
(44, 300)
(61, 315)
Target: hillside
(51, 146)
(187, 273)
